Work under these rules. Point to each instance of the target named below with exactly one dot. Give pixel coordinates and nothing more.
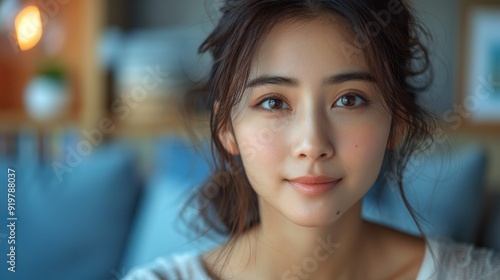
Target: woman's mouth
(313, 185)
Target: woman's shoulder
(175, 267)
(446, 259)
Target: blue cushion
(76, 228)
(492, 228)
(444, 186)
(180, 170)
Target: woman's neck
(280, 249)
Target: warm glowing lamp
(28, 27)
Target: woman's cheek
(366, 150)
(259, 144)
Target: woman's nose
(313, 137)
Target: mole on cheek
(356, 146)
(338, 212)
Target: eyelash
(364, 102)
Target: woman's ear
(398, 132)
(226, 136)
(229, 142)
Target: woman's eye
(273, 104)
(350, 101)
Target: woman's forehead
(314, 46)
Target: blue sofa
(107, 217)
(76, 228)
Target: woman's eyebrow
(272, 80)
(349, 76)
(334, 79)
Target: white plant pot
(46, 98)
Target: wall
(161, 13)
(442, 18)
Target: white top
(452, 261)
(458, 261)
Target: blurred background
(95, 96)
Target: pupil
(275, 104)
(349, 100)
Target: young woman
(308, 97)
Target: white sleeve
(180, 267)
(459, 261)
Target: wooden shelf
(17, 121)
(81, 22)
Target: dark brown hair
(388, 35)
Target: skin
(323, 116)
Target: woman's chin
(313, 220)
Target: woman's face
(312, 127)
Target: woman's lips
(313, 185)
